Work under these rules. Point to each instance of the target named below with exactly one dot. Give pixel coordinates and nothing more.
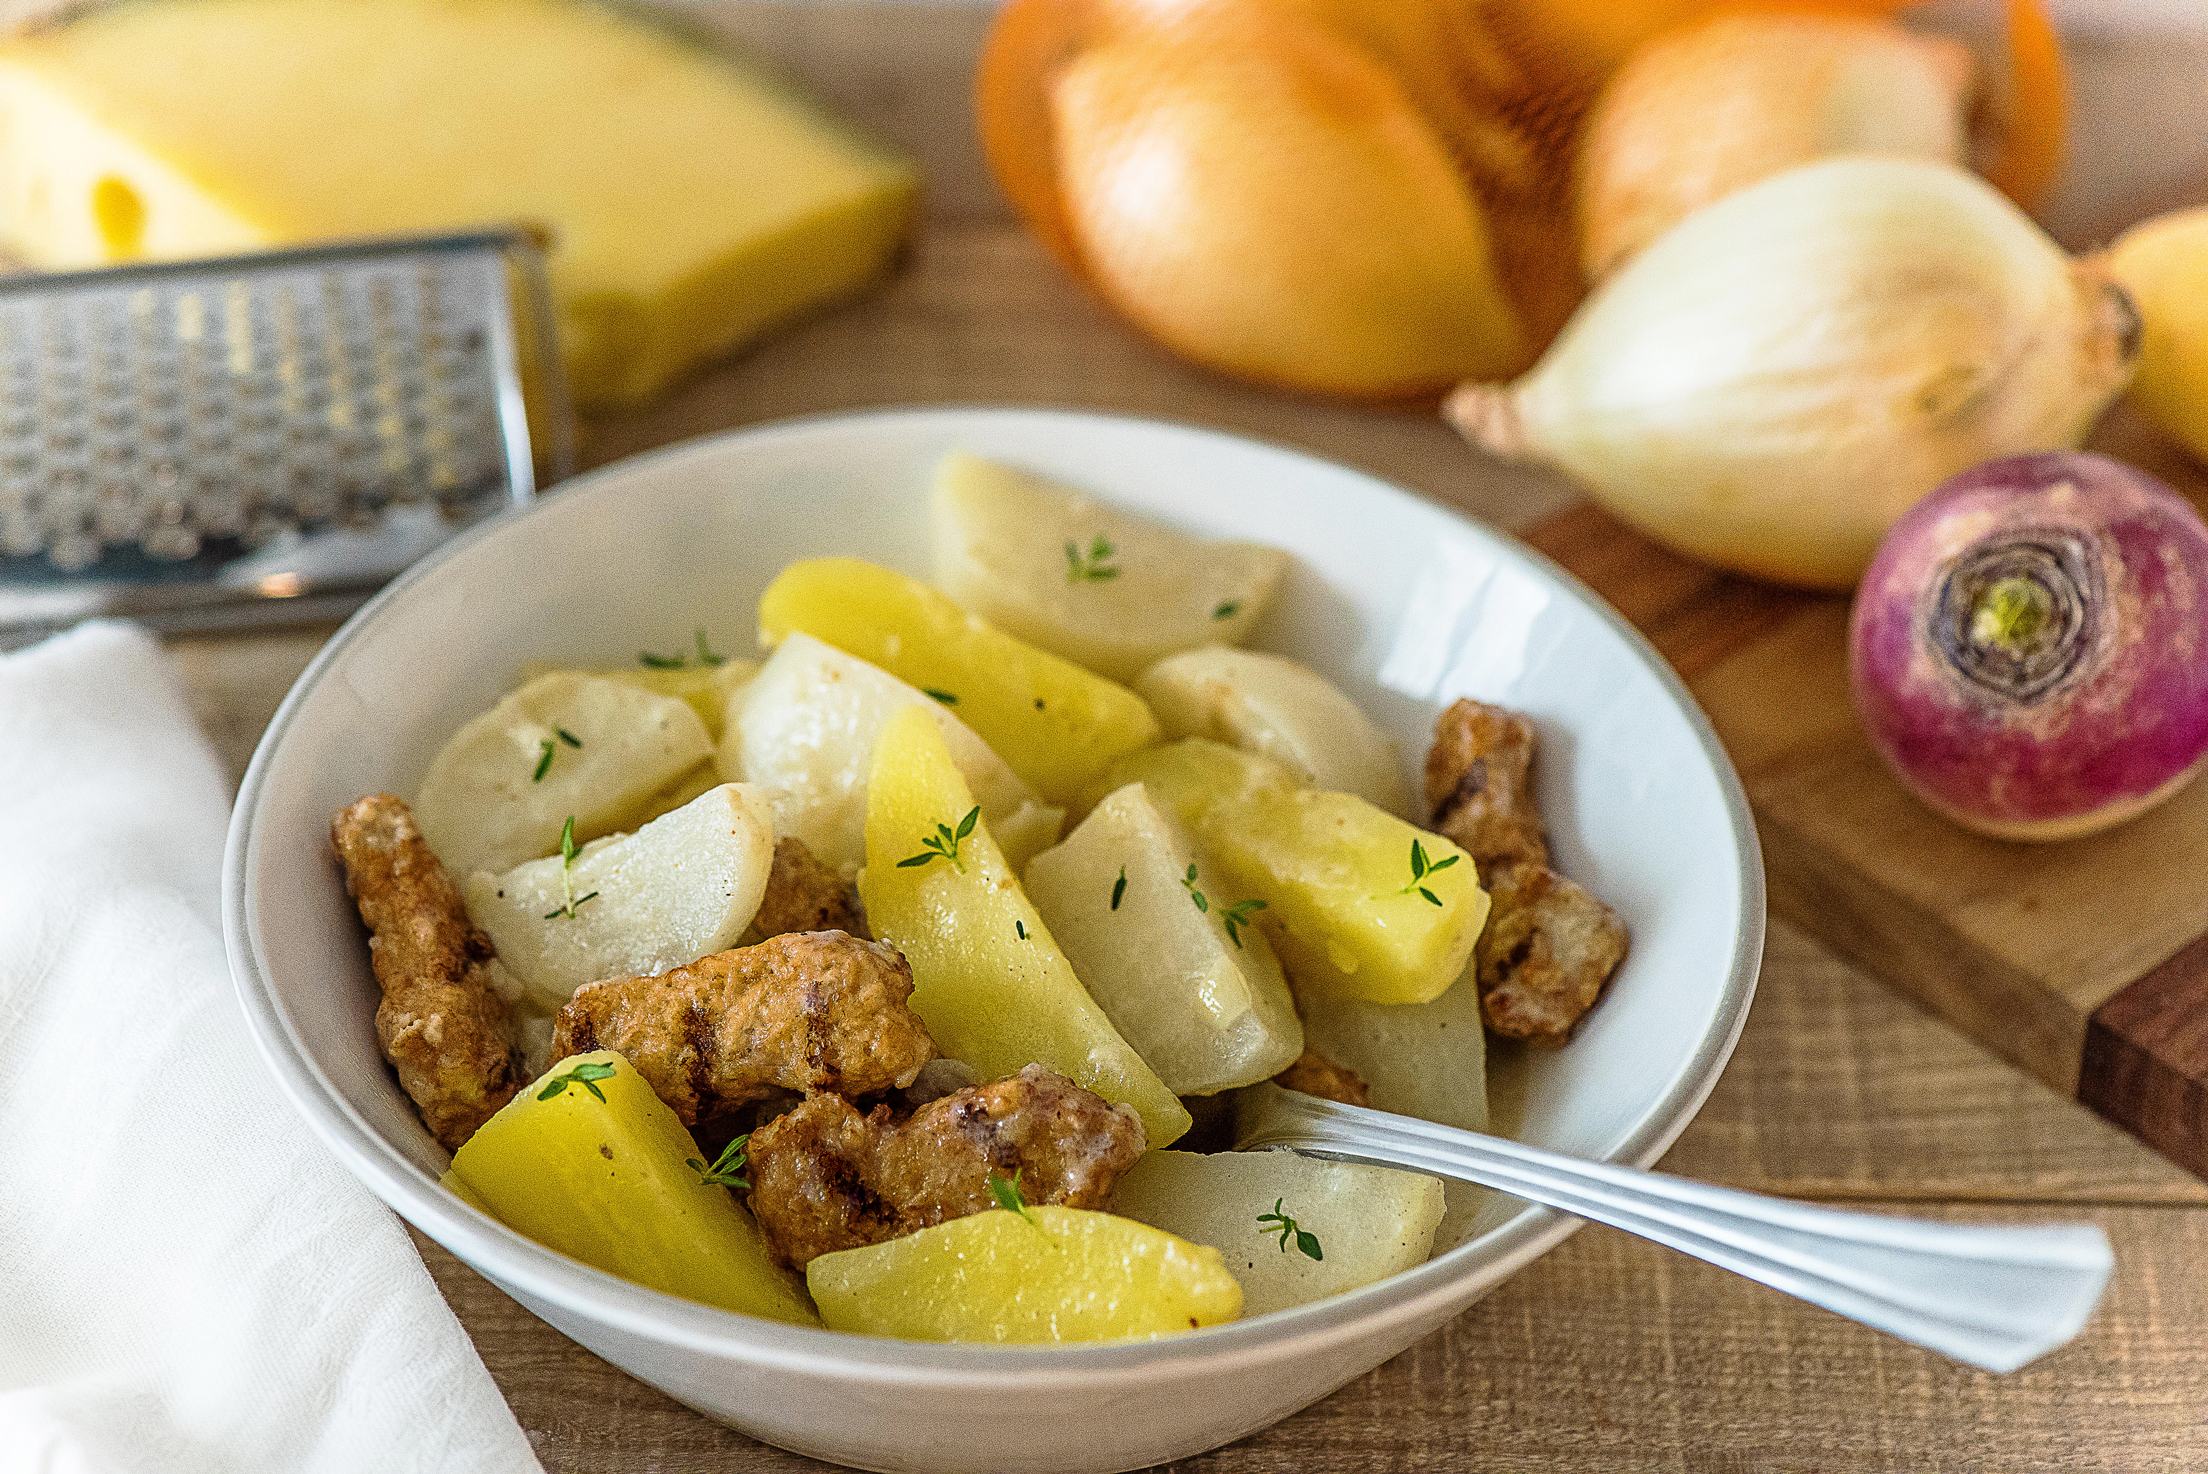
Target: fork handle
(1992, 1295)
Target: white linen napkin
(188, 1280)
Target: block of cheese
(692, 202)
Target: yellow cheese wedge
(692, 203)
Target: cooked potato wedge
(683, 886)
(1203, 1002)
(1351, 907)
(805, 729)
(492, 800)
(1058, 726)
(1368, 1222)
(1046, 1274)
(1103, 588)
(1427, 1060)
(590, 1163)
(988, 978)
(1271, 706)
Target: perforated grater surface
(264, 438)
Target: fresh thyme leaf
(659, 662)
(569, 900)
(1188, 883)
(544, 760)
(1019, 927)
(1093, 566)
(727, 1169)
(943, 696)
(1421, 867)
(568, 737)
(705, 655)
(1119, 887)
(944, 843)
(1306, 1242)
(1237, 916)
(1227, 610)
(587, 1074)
(1006, 1190)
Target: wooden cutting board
(2085, 962)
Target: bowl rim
(520, 1265)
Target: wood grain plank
(1607, 1354)
(1843, 1088)
(2146, 1058)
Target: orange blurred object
(1360, 197)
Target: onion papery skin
(2122, 721)
(1781, 375)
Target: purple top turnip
(2029, 651)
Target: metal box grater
(265, 438)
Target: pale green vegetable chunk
(805, 730)
(1202, 1001)
(1369, 1222)
(1045, 1274)
(1128, 593)
(497, 795)
(706, 687)
(1270, 705)
(591, 1164)
(1427, 1060)
(682, 887)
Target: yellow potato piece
(600, 1174)
(1342, 906)
(1058, 726)
(988, 979)
(1049, 1274)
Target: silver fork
(1992, 1295)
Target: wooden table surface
(1607, 1354)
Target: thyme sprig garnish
(727, 1169)
(1421, 867)
(1094, 566)
(946, 697)
(943, 844)
(1119, 888)
(1233, 917)
(1227, 609)
(1306, 1241)
(587, 1074)
(706, 657)
(569, 899)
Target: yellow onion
(1717, 106)
(1774, 381)
(2163, 263)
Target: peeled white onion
(1781, 375)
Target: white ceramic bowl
(1406, 605)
